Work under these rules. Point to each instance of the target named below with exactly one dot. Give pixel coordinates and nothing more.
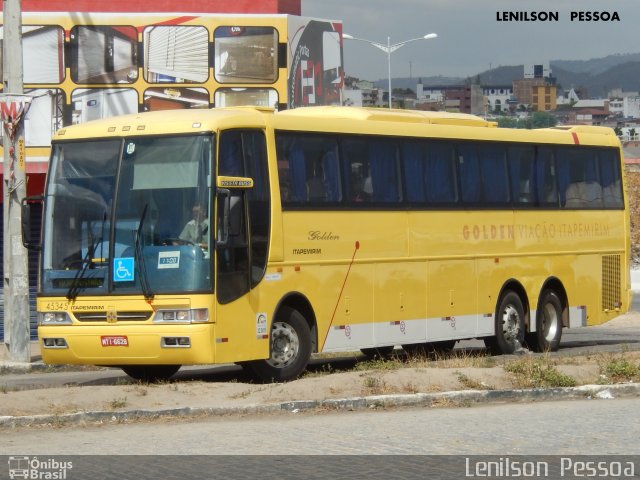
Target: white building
(537, 71)
(429, 94)
(362, 97)
(631, 107)
(567, 97)
(624, 104)
(498, 97)
(352, 97)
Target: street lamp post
(389, 49)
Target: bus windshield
(128, 216)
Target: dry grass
(537, 372)
(619, 368)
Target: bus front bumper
(127, 344)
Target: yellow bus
(242, 235)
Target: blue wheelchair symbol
(123, 270)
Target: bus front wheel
(150, 373)
(509, 325)
(290, 348)
(548, 324)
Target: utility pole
(13, 108)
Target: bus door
(243, 219)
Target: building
(455, 98)
(537, 71)
(590, 112)
(543, 98)
(625, 105)
(498, 97)
(567, 97)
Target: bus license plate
(114, 341)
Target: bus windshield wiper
(74, 288)
(144, 279)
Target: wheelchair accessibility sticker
(123, 269)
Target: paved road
(587, 427)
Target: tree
(543, 120)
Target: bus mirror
(26, 205)
(234, 182)
(224, 202)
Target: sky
(470, 37)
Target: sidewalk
(36, 359)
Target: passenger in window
(315, 185)
(357, 191)
(196, 230)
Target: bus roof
(389, 115)
(356, 120)
(166, 122)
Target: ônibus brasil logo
(34, 468)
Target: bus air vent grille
(611, 294)
(121, 316)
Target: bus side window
(579, 178)
(469, 173)
(493, 169)
(441, 173)
(610, 176)
(545, 175)
(414, 166)
(521, 171)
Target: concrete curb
(457, 398)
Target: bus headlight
(54, 318)
(194, 315)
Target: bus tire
(378, 352)
(509, 325)
(150, 373)
(290, 348)
(548, 332)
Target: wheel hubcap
(510, 323)
(550, 322)
(284, 345)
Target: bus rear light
(54, 343)
(176, 342)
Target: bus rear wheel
(290, 348)
(509, 325)
(548, 324)
(150, 373)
